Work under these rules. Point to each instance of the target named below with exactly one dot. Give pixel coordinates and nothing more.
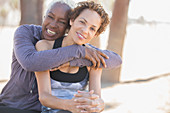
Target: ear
(71, 22)
(43, 19)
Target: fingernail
(92, 91)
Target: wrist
(82, 51)
(66, 105)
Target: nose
(54, 24)
(85, 29)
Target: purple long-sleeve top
(21, 90)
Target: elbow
(119, 61)
(28, 67)
(43, 99)
(114, 62)
(30, 63)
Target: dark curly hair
(94, 7)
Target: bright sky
(158, 10)
(151, 9)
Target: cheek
(88, 40)
(45, 23)
(62, 29)
(91, 36)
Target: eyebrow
(54, 15)
(51, 12)
(86, 21)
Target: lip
(50, 34)
(80, 36)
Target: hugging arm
(112, 62)
(32, 60)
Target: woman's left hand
(89, 102)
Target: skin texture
(83, 29)
(54, 26)
(55, 21)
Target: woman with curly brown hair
(58, 89)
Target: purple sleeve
(114, 60)
(32, 60)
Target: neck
(67, 41)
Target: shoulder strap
(58, 42)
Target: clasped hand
(88, 102)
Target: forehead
(59, 8)
(92, 17)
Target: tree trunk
(31, 11)
(116, 36)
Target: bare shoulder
(44, 45)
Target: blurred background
(139, 32)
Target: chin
(80, 43)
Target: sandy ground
(140, 96)
(145, 76)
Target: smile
(51, 32)
(80, 36)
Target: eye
(93, 29)
(62, 22)
(82, 22)
(49, 16)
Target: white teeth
(51, 32)
(80, 36)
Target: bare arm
(44, 87)
(95, 84)
(44, 90)
(92, 101)
(95, 80)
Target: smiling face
(55, 21)
(84, 27)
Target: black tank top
(67, 77)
